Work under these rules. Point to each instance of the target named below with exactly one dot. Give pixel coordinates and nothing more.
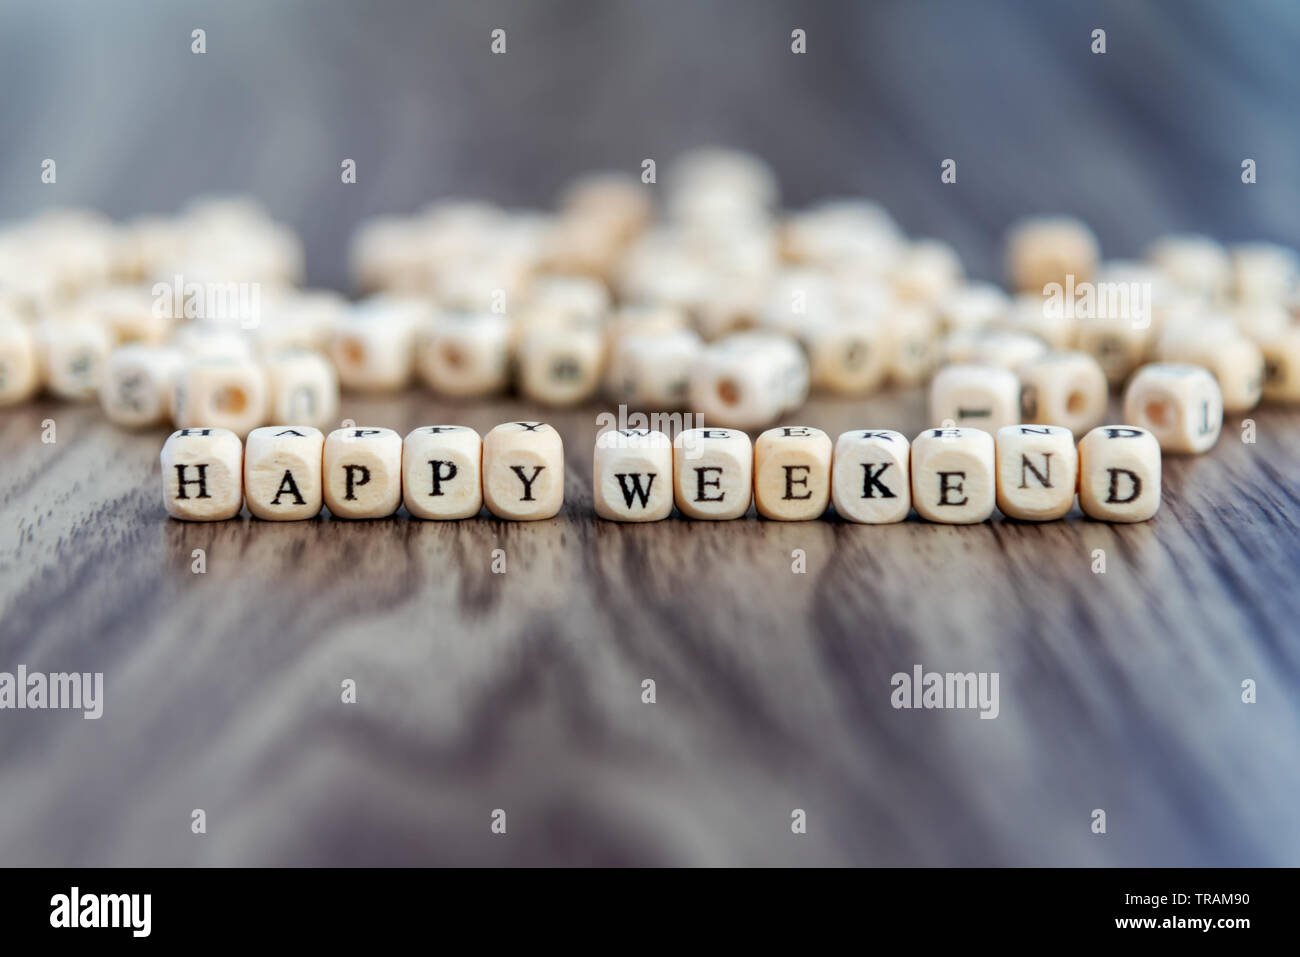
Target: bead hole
(230, 400)
(353, 351)
(728, 392)
(1160, 414)
(453, 356)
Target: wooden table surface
(522, 691)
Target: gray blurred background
(1144, 139)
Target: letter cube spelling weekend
(951, 476)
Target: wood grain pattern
(522, 691)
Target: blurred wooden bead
(389, 253)
(912, 340)
(713, 472)
(1235, 361)
(983, 397)
(992, 347)
(652, 371)
(728, 305)
(73, 355)
(373, 344)
(1119, 474)
(1282, 367)
(719, 184)
(618, 201)
(1035, 318)
(586, 299)
(559, 366)
(1043, 250)
(1195, 264)
(926, 271)
(465, 355)
(20, 371)
(1037, 470)
(523, 471)
(1068, 389)
(283, 478)
(871, 479)
(138, 384)
(363, 472)
(973, 305)
(442, 472)
(792, 473)
(646, 320)
(954, 479)
(748, 380)
(1262, 320)
(203, 474)
(298, 320)
(843, 236)
(1263, 272)
(303, 387)
(130, 313)
(1119, 344)
(1181, 405)
(212, 340)
(632, 475)
(222, 393)
(847, 356)
(796, 300)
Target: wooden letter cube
(559, 364)
(953, 476)
(982, 397)
(1282, 367)
(1180, 405)
(713, 473)
(363, 472)
(20, 371)
(1043, 250)
(912, 340)
(1119, 343)
(203, 474)
(1038, 467)
(465, 354)
(373, 344)
(138, 383)
(442, 472)
(523, 471)
(651, 370)
(632, 475)
(748, 380)
(303, 388)
(282, 472)
(73, 354)
(871, 480)
(225, 393)
(1064, 388)
(1194, 264)
(792, 473)
(1235, 361)
(847, 356)
(1119, 474)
